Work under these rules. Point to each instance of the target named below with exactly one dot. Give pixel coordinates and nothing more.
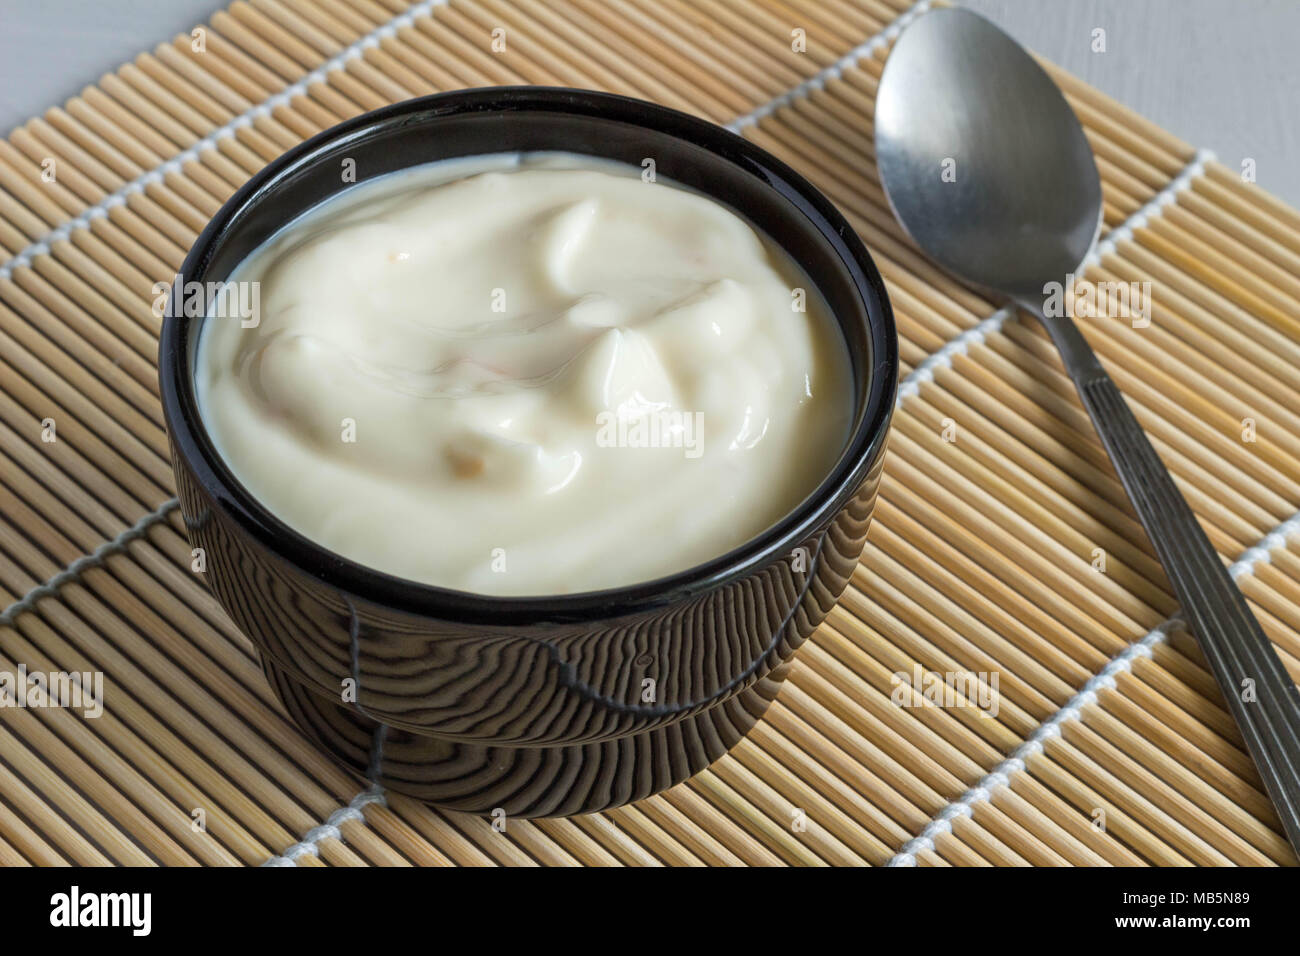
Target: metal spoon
(988, 170)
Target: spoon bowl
(981, 157)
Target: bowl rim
(196, 451)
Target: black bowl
(547, 705)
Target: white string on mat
(862, 51)
(976, 334)
(86, 562)
(329, 830)
(1000, 776)
(174, 165)
(1140, 219)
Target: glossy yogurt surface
(526, 376)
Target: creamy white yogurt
(546, 378)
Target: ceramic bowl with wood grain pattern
(522, 705)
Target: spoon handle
(1215, 609)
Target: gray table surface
(1218, 73)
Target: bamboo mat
(1111, 743)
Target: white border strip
(174, 165)
(1000, 776)
(85, 563)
